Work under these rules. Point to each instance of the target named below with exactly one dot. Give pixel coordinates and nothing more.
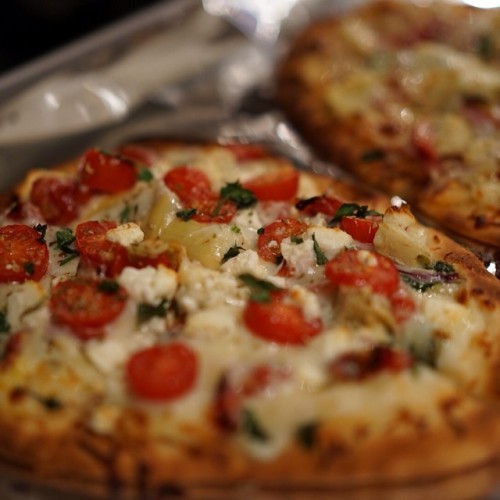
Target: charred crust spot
(389, 129)
(418, 423)
(462, 297)
(480, 221)
(330, 452)
(448, 407)
(17, 394)
(169, 490)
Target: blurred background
(31, 28)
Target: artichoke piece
(205, 243)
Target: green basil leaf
(235, 192)
(252, 427)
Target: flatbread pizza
(406, 96)
(189, 317)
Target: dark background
(31, 28)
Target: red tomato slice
(269, 241)
(361, 268)
(162, 372)
(246, 152)
(85, 304)
(137, 153)
(22, 255)
(319, 205)
(214, 210)
(57, 199)
(105, 256)
(189, 184)
(141, 261)
(280, 322)
(107, 173)
(281, 185)
(363, 230)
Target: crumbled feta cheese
(301, 256)
(201, 288)
(24, 298)
(248, 261)
(331, 240)
(149, 285)
(307, 301)
(125, 234)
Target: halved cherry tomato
(86, 305)
(402, 304)
(141, 261)
(57, 199)
(22, 255)
(363, 230)
(361, 268)
(358, 365)
(280, 185)
(138, 153)
(107, 173)
(214, 210)
(245, 152)
(279, 321)
(319, 205)
(269, 240)
(189, 184)
(105, 256)
(162, 372)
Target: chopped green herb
(306, 435)
(145, 175)
(420, 286)
(42, 229)
(124, 215)
(235, 192)
(296, 239)
(4, 324)
(372, 155)
(321, 259)
(260, 230)
(232, 252)
(108, 286)
(29, 268)
(354, 209)
(260, 289)
(186, 214)
(147, 311)
(484, 47)
(235, 229)
(217, 208)
(443, 267)
(64, 240)
(252, 427)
